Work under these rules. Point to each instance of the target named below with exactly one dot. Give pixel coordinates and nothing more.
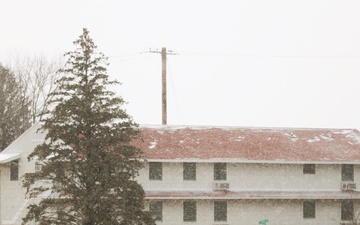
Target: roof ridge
(170, 127)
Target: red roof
(288, 145)
(252, 195)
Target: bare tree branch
(37, 75)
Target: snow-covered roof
(243, 144)
(8, 157)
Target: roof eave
(325, 195)
(227, 160)
(8, 157)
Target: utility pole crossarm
(158, 50)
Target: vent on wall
(221, 185)
(348, 186)
(347, 223)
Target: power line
(125, 55)
(177, 102)
(135, 56)
(267, 56)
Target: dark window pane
(220, 211)
(189, 211)
(14, 170)
(156, 208)
(309, 169)
(38, 166)
(155, 171)
(309, 209)
(347, 172)
(347, 210)
(220, 171)
(189, 171)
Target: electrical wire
(266, 56)
(177, 103)
(135, 56)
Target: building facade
(231, 175)
(226, 175)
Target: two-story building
(226, 175)
(232, 175)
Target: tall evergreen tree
(14, 108)
(87, 154)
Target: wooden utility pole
(163, 85)
(163, 53)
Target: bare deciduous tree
(37, 75)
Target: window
(220, 211)
(309, 169)
(38, 136)
(220, 171)
(309, 209)
(156, 208)
(189, 211)
(155, 171)
(14, 170)
(347, 172)
(347, 210)
(38, 166)
(189, 171)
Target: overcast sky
(261, 63)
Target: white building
(13, 164)
(202, 175)
(227, 175)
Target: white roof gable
(5, 158)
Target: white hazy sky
(276, 63)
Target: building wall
(246, 212)
(255, 177)
(249, 176)
(12, 194)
